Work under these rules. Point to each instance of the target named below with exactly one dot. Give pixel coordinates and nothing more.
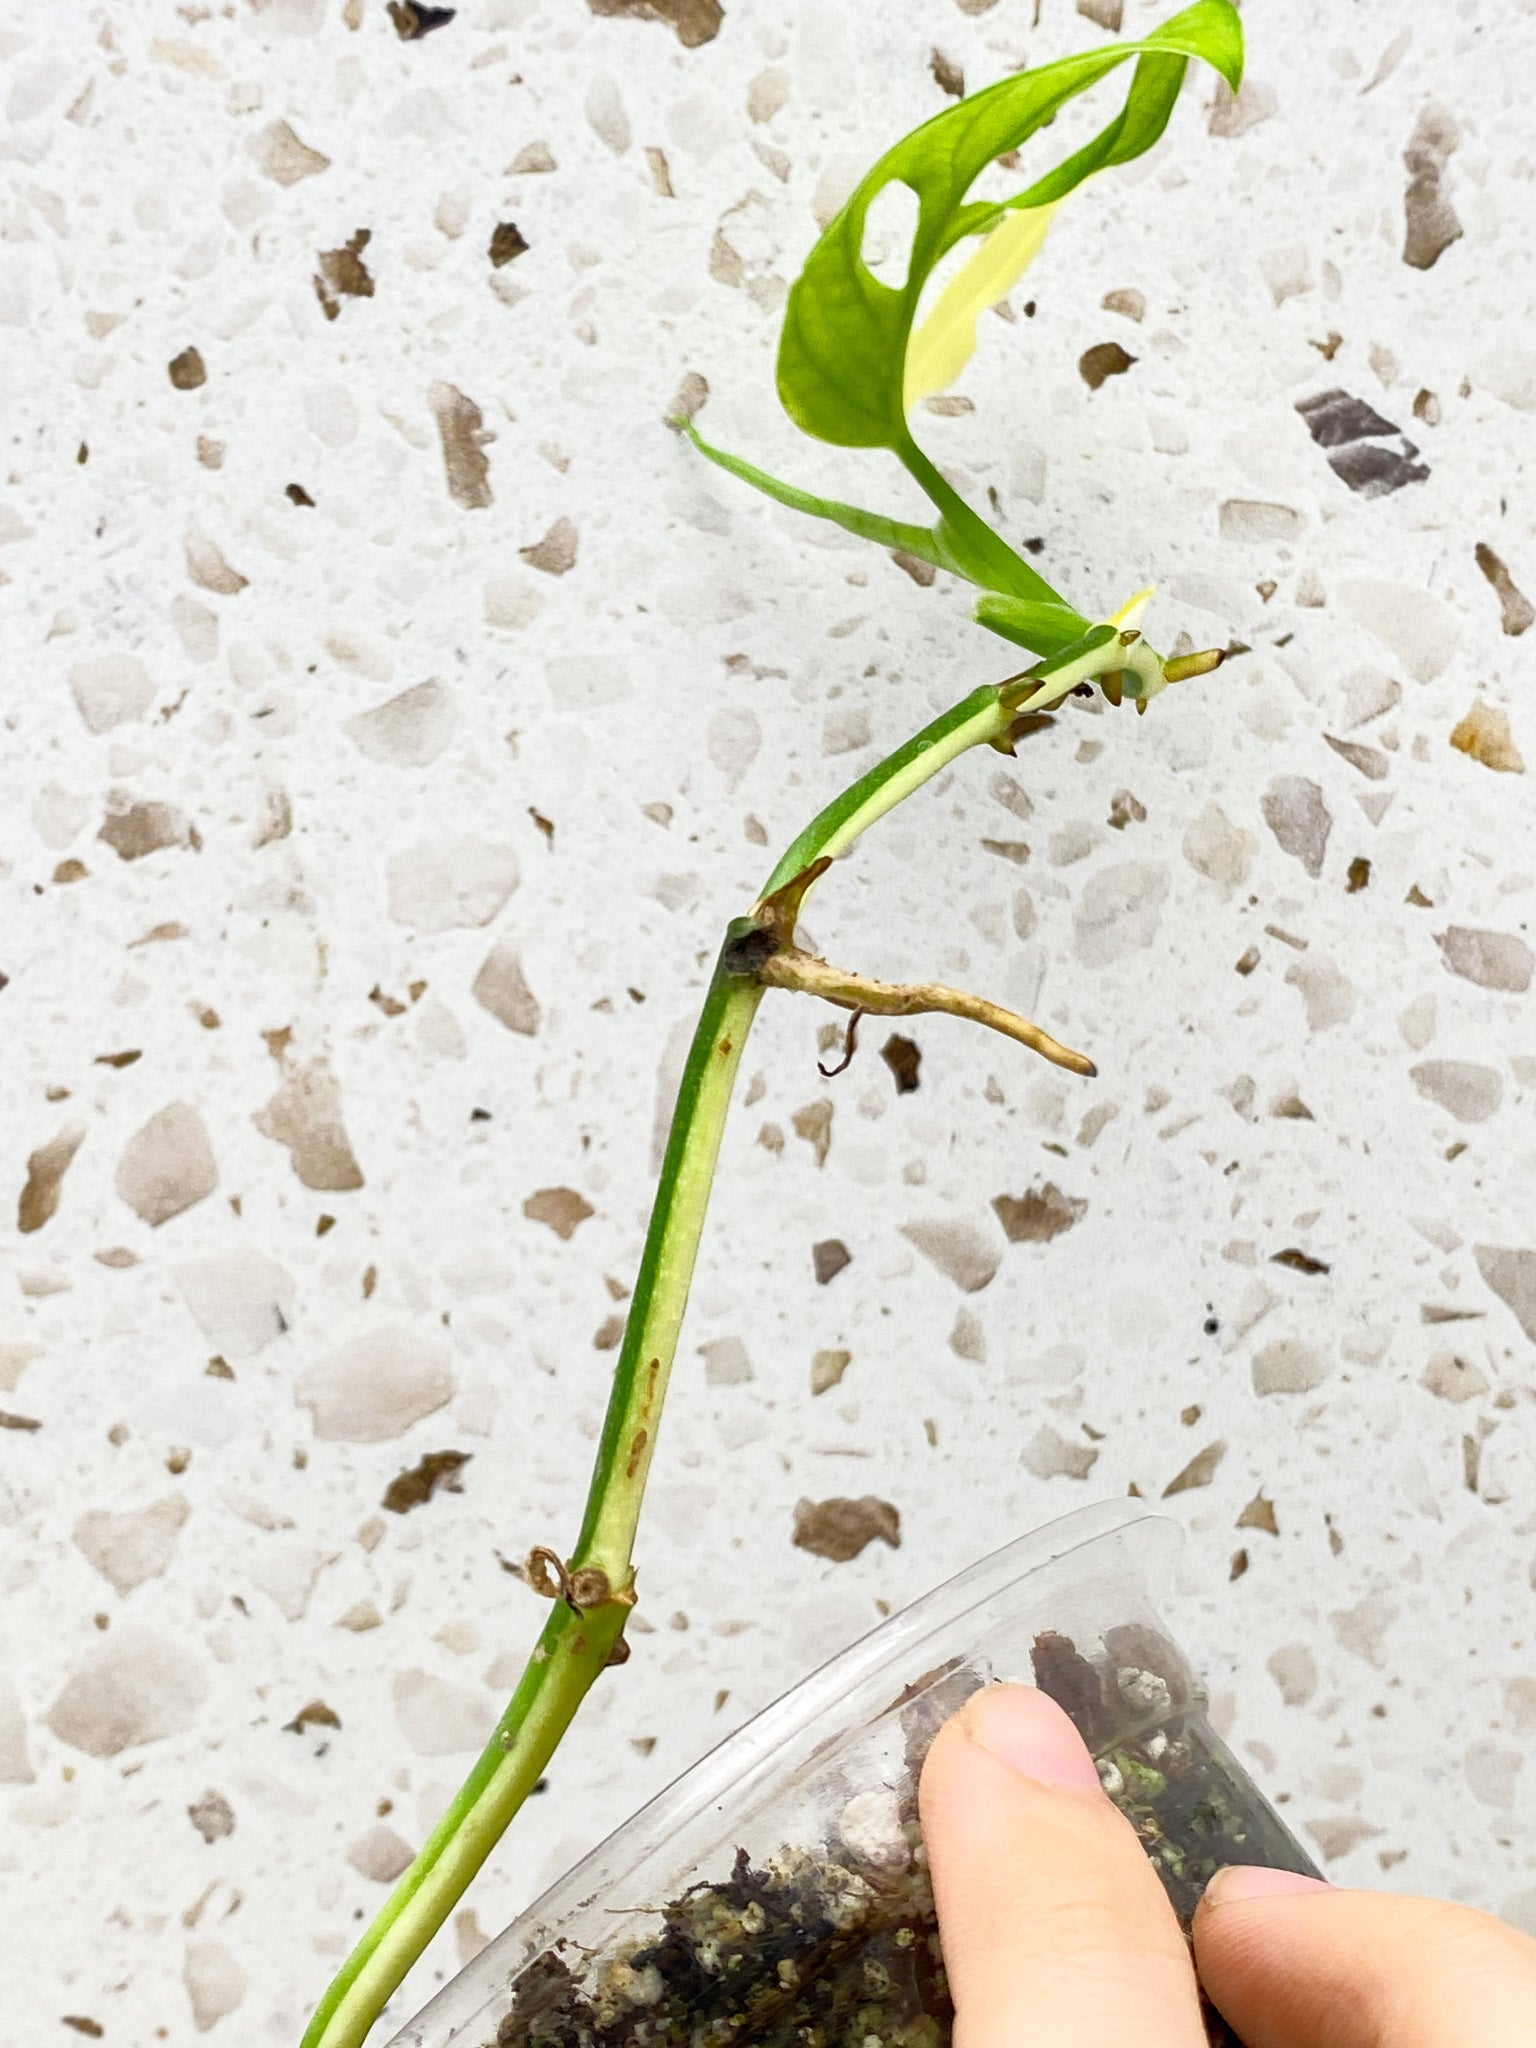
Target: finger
(1292, 1963)
(1055, 1928)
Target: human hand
(1057, 1932)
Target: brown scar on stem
(588, 1588)
(546, 1572)
(780, 912)
(637, 1446)
(583, 1589)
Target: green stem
(666, 1269)
(571, 1651)
(992, 563)
(970, 723)
(574, 1646)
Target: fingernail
(1248, 1881)
(1028, 1732)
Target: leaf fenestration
(843, 351)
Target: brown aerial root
(777, 962)
(791, 968)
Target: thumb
(1054, 1926)
(1293, 1963)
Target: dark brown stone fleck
(1105, 359)
(1034, 1218)
(839, 1529)
(1200, 1470)
(1293, 1107)
(695, 21)
(556, 553)
(903, 1056)
(142, 829)
(412, 20)
(414, 1487)
(462, 430)
(921, 572)
(1259, 1514)
(507, 243)
(947, 75)
(1299, 1261)
(829, 1257)
(563, 1209)
(343, 274)
(187, 371)
(316, 1714)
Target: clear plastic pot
(777, 1893)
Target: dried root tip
(1183, 666)
(850, 1047)
(790, 968)
(546, 1573)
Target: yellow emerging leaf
(1130, 612)
(946, 341)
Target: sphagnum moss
(837, 1945)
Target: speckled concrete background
(364, 847)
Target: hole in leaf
(889, 225)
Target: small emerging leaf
(1130, 612)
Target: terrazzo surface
(394, 712)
